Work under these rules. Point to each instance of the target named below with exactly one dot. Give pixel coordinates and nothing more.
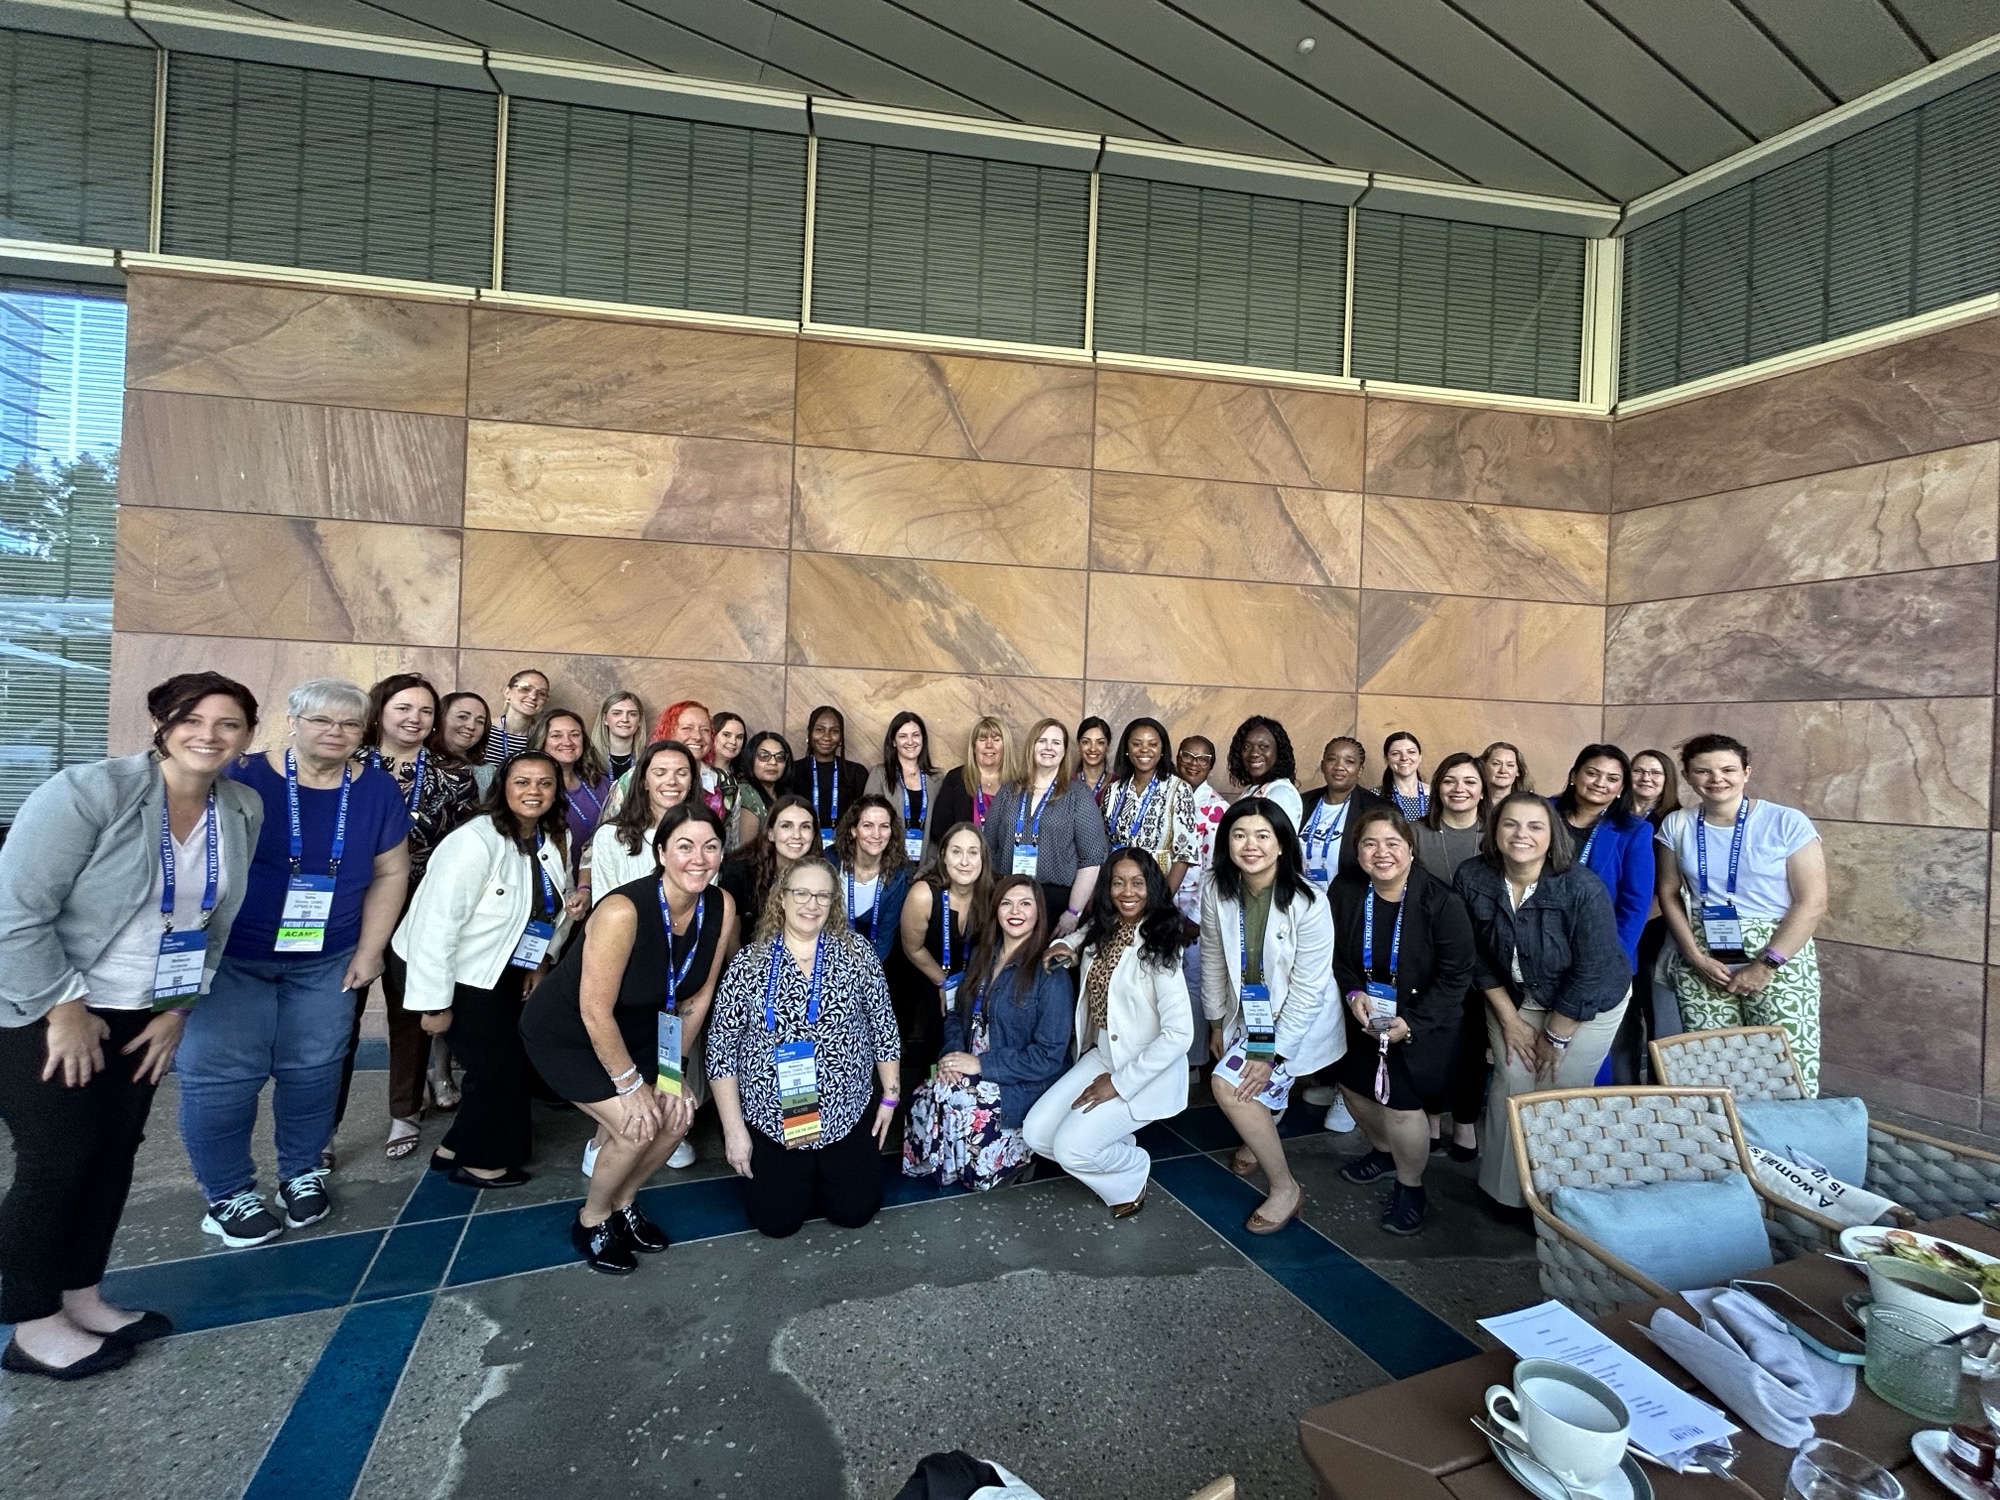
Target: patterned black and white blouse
(856, 1030)
(1162, 823)
(446, 799)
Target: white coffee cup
(1573, 1423)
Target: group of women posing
(823, 947)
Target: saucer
(1626, 1482)
(1930, 1446)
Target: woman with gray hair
(324, 891)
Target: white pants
(1096, 1147)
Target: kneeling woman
(1006, 1038)
(1133, 1026)
(1266, 966)
(802, 1017)
(613, 1027)
(477, 940)
(1402, 957)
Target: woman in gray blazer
(118, 884)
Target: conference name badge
(302, 922)
(534, 945)
(1024, 859)
(669, 1081)
(1262, 1039)
(913, 847)
(177, 970)
(1381, 1005)
(1721, 929)
(798, 1093)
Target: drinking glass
(1824, 1470)
(1910, 1365)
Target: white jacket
(1298, 968)
(1148, 1029)
(469, 912)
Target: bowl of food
(1956, 1304)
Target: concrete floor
(427, 1342)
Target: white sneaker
(683, 1155)
(1338, 1120)
(590, 1157)
(1323, 1094)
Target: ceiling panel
(1947, 25)
(660, 43)
(1719, 52)
(1432, 37)
(1851, 46)
(1339, 73)
(346, 15)
(502, 29)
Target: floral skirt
(956, 1138)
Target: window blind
(1188, 272)
(1471, 306)
(62, 373)
(638, 208)
(300, 167)
(1897, 220)
(936, 243)
(76, 140)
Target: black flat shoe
(112, 1354)
(640, 1232)
(150, 1326)
(511, 1178)
(442, 1163)
(603, 1247)
(1438, 1143)
(1463, 1153)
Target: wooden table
(1414, 1440)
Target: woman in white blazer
(481, 932)
(1133, 1028)
(1266, 977)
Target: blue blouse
(1027, 1035)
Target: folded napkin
(1754, 1365)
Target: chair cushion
(1682, 1234)
(1833, 1132)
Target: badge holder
(534, 945)
(669, 1077)
(1381, 1006)
(1722, 934)
(913, 847)
(1024, 860)
(177, 970)
(1260, 1041)
(302, 923)
(798, 1093)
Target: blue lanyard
(1422, 799)
(1735, 849)
(1583, 856)
(676, 977)
(912, 820)
(416, 776)
(1138, 818)
(848, 871)
(944, 899)
(298, 847)
(596, 802)
(1339, 827)
(1021, 814)
(1368, 936)
(832, 819)
(548, 885)
(506, 740)
(1243, 941)
(771, 982)
(167, 864)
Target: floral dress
(956, 1136)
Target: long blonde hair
(1022, 773)
(968, 770)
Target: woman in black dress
(1402, 958)
(621, 1013)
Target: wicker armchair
(1933, 1178)
(1615, 1137)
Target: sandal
(442, 1092)
(403, 1138)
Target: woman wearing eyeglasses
(802, 1036)
(764, 771)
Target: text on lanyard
(1259, 1020)
(541, 929)
(669, 1075)
(1722, 925)
(1027, 841)
(416, 792)
(1319, 868)
(1131, 831)
(1381, 995)
(951, 980)
(796, 1062)
(830, 820)
(309, 898)
(913, 819)
(178, 966)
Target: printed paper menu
(1665, 1418)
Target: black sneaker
(304, 1199)
(603, 1246)
(640, 1232)
(1405, 1213)
(242, 1221)
(1369, 1168)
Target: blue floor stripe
(1385, 1323)
(324, 1442)
(436, 1196)
(272, 1281)
(413, 1259)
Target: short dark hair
(175, 700)
(1284, 768)
(1121, 764)
(692, 811)
(1385, 812)
(380, 694)
(1561, 855)
(840, 721)
(1709, 744)
(1291, 880)
(1160, 939)
(553, 824)
(1344, 739)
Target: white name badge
(798, 1092)
(1024, 859)
(950, 987)
(1258, 1021)
(1381, 1005)
(826, 838)
(1319, 875)
(177, 971)
(302, 923)
(534, 945)
(669, 1055)
(1721, 929)
(913, 846)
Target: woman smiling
(621, 851)
(1262, 764)
(1045, 824)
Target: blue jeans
(263, 1019)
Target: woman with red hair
(690, 723)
